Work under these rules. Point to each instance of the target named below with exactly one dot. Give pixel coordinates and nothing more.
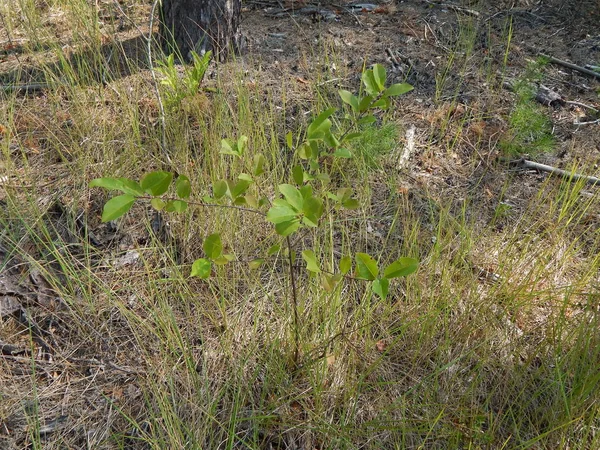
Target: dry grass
(494, 343)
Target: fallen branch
(526, 164)
(570, 65)
(25, 88)
(455, 8)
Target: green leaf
(306, 191)
(131, 187)
(379, 76)
(288, 227)
(312, 265)
(117, 206)
(219, 188)
(125, 185)
(320, 122)
(313, 210)
(365, 103)
(367, 120)
(156, 183)
(351, 203)
(348, 98)
(345, 265)
(176, 206)
(401, 267)
(273, 249)
(221, 260)
(157, 203)
(183, 186)
(292, 195)
(371, 85)
(201, 268)
(242, 144)
(239, 188)
(212, 246)
(397, 89)
(298, 174)
(114, 184)
(289, 140)
(329, 282)
(381, 287)
(342, 153)
(256, 263)
(304, 151)
(351, 136)
(366, 266)
(228, 149)
(344, 194)
(324, 177)
(246, 177)
(259, 164)
(383, 103)
(240, 201)
(251, 200)
(280, 212)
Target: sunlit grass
(455, 357)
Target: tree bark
(200, 26)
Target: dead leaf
(381, 346)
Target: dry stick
(526, 164)
(163, 122)
(295, 302)
(454, 8)
(25, 88)
(570, 65)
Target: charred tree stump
(200, 26)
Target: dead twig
(570, 65)
(526, 164)
(455, 8)
(161, 108)
(25, 88)
(582, 105)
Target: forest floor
(495, 343)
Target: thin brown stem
(206, 205)
(294, 303)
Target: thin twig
(591, 122)
(163, 122)
(25, 88)
(206, 205)
(294, 303)
(526, 164)
(582, 105)
(570, 65)
(455, 8)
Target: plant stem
(206, 205)
(294, 303)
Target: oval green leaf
(201, 268)
(397, 89)
(176, 206)
(366, 266)
(213, 247)
(381, 287)
(117, 206)
(288, 227)
(312, 265)
(183, 186)
(156, 183)
(219, 188)
(401, 267)
(345, 265)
